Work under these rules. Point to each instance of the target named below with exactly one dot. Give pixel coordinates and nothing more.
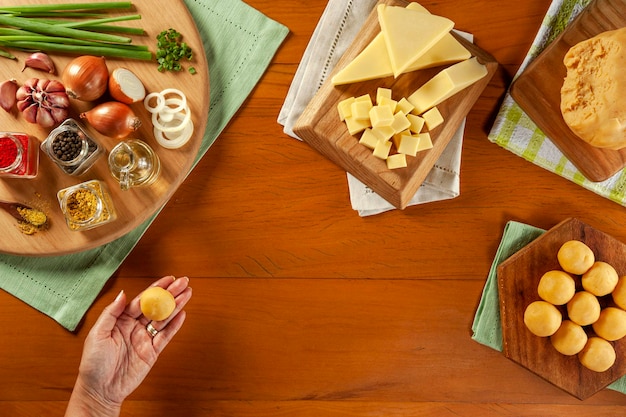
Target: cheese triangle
(373, 62)
(407, 41)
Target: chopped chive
(68, 6)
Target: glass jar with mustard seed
(86, 205)
(71, 148)
(19, 155)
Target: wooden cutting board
(518, 278)
(133, 206)
(320, 127)
(538, 90)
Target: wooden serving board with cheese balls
(133, 206)
(518, 285)
(322, 124)
(538, 90)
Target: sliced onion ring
(160, 102)
(176, 140)
(181, 105)
(184, 120)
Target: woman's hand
(119, 351)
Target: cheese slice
(447, 83)
(373, 62)
(408, 34)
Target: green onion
(66, 6)
(112, 51)
(56, 30)
(72, 28)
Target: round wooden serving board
(136, 205)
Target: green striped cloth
(239, 43)
(516, 132)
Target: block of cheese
(396, 161)
(373, 62)
(408, 34)
(381, 116)
(447, 83)
(593, 103)
(432, 118)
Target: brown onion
(86, 78)
(125, 86)
(113, 119)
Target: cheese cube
(344, 108)
(432, 118)
(392, 104)
(398, 137)
(381, 116)
(417, 123)
(368, 139)
(405, 106)
(360, 110)
(400, 122)
(382, 149)
(383, 132)
(396, 161)
(408, 145)
(356, 126)
(381, 93)
(364, 97)
(447, 83)
(425, 142)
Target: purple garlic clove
(8, 90)
(40, 61)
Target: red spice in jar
(19, 155)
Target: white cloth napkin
(338, 26)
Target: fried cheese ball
(619, 293)
(584, 308)
(575, 257)
(598, 354)
(612, 324)
(556, 287)
(600, 279)
(542, 318)
(157, 303)
(569, 339)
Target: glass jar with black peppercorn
(19, 155)
(71, 148)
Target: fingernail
(119, 295)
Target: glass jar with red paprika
(19, 155)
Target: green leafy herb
(171, 50)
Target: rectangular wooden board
(538, 90)
(320, 127)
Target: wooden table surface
(303, 308)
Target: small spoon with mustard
(24, 213)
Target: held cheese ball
(157, 303)
(592, 101)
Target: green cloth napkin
(239, 43)
(486, 328)
(516, 132)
